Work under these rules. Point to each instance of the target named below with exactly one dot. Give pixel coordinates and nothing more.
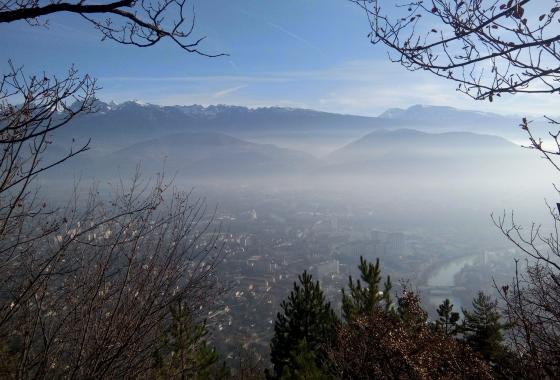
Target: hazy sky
(299, 53)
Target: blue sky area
(296, 53)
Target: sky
(292, 53)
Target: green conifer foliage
(365, 296)
(304, 365)
(184, 352)
(448, 319)
(305, 317)
(482, 329)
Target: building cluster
(266, 251)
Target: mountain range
(118, 125)
(449, 116)
(231, 141)
(207, 154)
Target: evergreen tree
(184, 352)
(305, 317)
(482, 329)
(304, 365)
(448, 319)
(364, 300)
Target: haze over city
(186, 182)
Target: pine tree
(482, 329)
(447, 321)
(364, 300)
(304, 365)
(184, 352)
(305, 316)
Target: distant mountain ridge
(267, 117)
(413, 152)
(118, 125)
(207, 154)
(411, 141)
(153, 118)
(441, 113)
(440, 118)
(230, 141)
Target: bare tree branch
(492, 47)
(140, 23)
(488, 47)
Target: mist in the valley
(306, 190)
(450, 171)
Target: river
(445, 277)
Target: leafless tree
(31, 108)
(490, 48)
(86, 288)
(386, 345)
(45, 104)
(140, 23)
(88, 298)
(532, 300)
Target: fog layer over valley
(299, 189)
(425, 165)
(265, 211)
